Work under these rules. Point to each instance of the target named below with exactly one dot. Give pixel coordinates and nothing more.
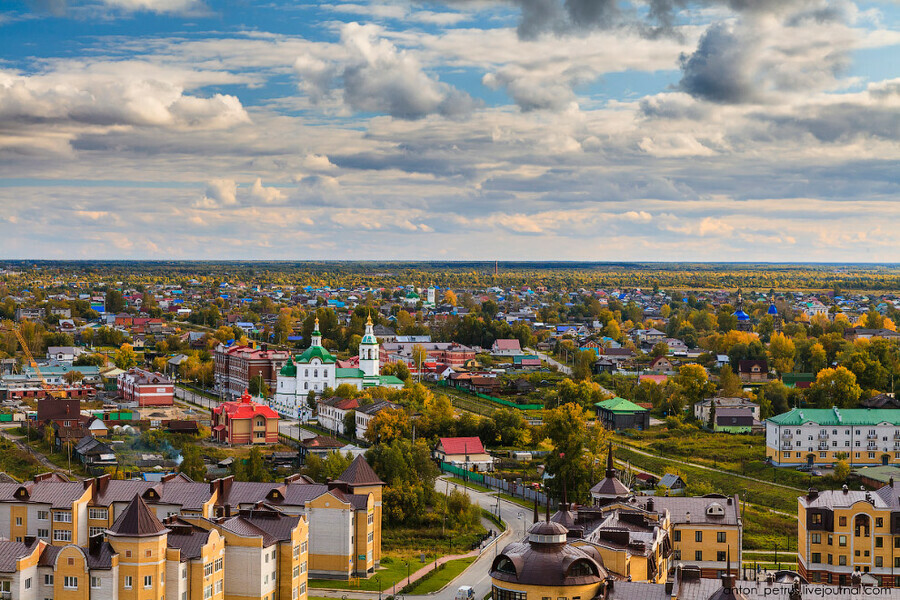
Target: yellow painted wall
(537, 592)
(18, 511)
(78, 569)
(139, 564)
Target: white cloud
(375, 76)
(157, 6)
(266, 195)
(219, 193)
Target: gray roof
(56, 493)
(638, 590)
(697, 506)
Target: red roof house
(245, 422)
(465, 452)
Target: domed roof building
(546, 565)
(743, 319)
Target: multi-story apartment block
(342, 519)
(819, 436)
(259, 554)
(842, 532)
(236, 366)
(705, 530)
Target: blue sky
(581, 130)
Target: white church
(316, 369)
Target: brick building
(146, 388)
(236, 366)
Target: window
(304, 546)
(842, 540)
(842, 521)
(698, 555)
(296, 551)
(207, 592)
(43, 515)
(698, 536)
(18, 521)
(816, 518)
(267, 557)
(720, 537)
(207, 569)
(879, 522)
(183, 573)
(96, 531)
(98, 513)
(879, 561)
(62, 517)
(816, 538)
(219, 563)
(43, 533)
(816, 557)
(28, 583)
(95, 583)
(676, 554)
(324, 372)
(303, 590)
(70, 583)
(371, 537)
(48, 579)
(220, 585)
(720, 556)
(148, 582)
(303, 567)
(842, 560)
(296, 571)
(879, 542)
(61, 535)
(128, 554)
(128, 582)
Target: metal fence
(510, 487)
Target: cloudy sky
(474, 129)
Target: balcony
(871, 447)
(786, 446)
(823, 435)
(787, 435)
(872, 436)
(823, 446)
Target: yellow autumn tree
(782, 351)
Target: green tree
(584, 365)
(192, 463)
(730, 383)
(350, 423)
(311, 399)
(331, 466)
(659, 349)
(574, 443)
(256, 466)
(711, 423)
(115, 301)
(259, 387)
(72, 377)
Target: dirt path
(18, 441)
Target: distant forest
(474, 275)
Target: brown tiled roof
(360, 473)
(10, 552)
(188, 538)
(277, 524)
(242, 526)
(137, 520)
(50, 491)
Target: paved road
(562, 368)
(477, 575)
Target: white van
(465, 592)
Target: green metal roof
(838, 416)
(620, 405)
(315, 352)
(349, 373)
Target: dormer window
(504, 565)
(715, 510)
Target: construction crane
(50, 390)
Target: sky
(590, 130)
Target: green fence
(494, 399)
(462, 473)
(6, 418)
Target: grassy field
(764, 529)
(701, 481)
(436, 580)
(18, 463)
(393, 570)
(743, 454)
